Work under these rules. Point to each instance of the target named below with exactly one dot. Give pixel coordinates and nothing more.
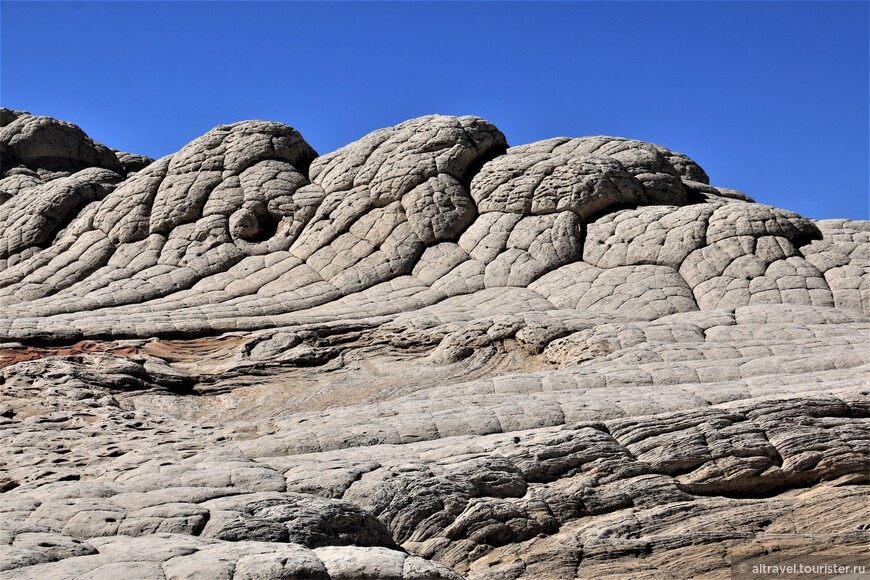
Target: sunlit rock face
(427, 354)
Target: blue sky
(771, 98)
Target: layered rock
(424, 355)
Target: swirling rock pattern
(424, 355)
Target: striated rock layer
(424, 355)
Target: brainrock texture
(424, 355)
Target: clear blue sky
(770, 98)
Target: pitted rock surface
(424, 355)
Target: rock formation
(424, 355)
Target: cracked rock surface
(427, 354)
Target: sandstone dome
(427, 354)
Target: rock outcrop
(424, 355)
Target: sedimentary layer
(424, 355)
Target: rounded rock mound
(247, 228)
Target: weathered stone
(424, 355)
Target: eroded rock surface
(424, 355)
